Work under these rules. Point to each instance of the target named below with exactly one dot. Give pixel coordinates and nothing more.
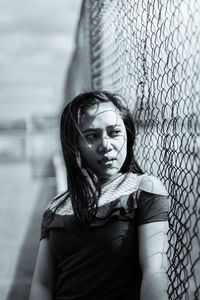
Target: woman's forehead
(102, 113)
(101, 108)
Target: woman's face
(103, 143)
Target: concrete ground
(23, 199)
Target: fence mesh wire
(149, 52)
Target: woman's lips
(106, 160)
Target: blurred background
(37, 40)
(146, 51)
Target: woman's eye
(114, 133)
(91, 137)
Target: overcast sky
(36, 44)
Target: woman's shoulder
(152, 184)
(56, 200)
(60, 204)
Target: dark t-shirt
(102, 262)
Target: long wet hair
(83, 186)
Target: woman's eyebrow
(99, 129)
(90, 129)
(114, 125)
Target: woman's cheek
(89, 150)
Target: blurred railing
(35, 140)
(149, 52)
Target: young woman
(106, 237)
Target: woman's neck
(105, 181)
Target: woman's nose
(104, 145)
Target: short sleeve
(151, 208)
(44, 231)
(49, 214)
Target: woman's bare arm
(153, 245)
(42, 287)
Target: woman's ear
(78, 158)
(80, 163)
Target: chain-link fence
(149, 52)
